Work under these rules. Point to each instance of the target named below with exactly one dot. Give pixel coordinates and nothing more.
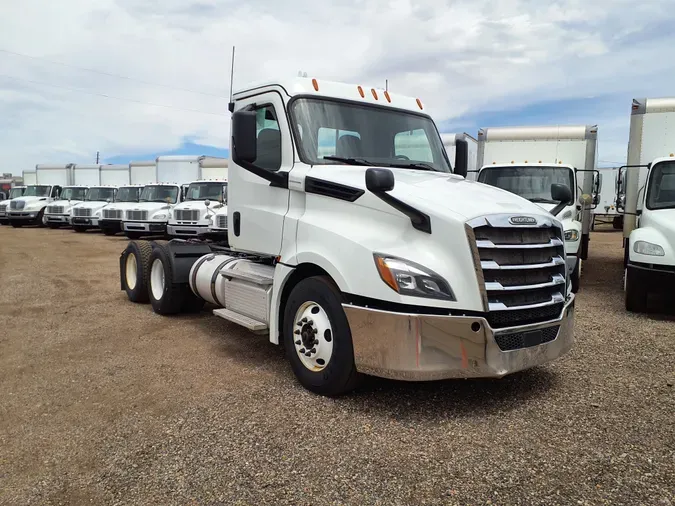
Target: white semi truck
(361, 258)
(86, 215)
(532, 161)
(49, 181)
(141, 172)
(196, 215)
(13, 193)
(649, 217)
(57, 214)
(172, 175)
(449, 142)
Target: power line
(109, 74)
(110, 96)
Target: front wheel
(317, 338)
(635, 292)
(576, 275)
(133, 235)
(79, 229)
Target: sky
(135, 79)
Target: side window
(268, 138)
(56, 191)
(414, 145)
(332, 142)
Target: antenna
(386, 85)
(231, 104)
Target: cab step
(240, 319)
(251, 277)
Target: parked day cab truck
(13, 193)
(362, 256)
(649, 219)
(29, 209)
(534, 162)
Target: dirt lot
(104, 402)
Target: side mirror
(561, 193)
(244, 142)
(379, 180)
(461, 157)
(207, 202)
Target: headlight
(408, 278)
(648, 248)
(161, 216)
(571, 235)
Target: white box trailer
(213, 167)
(86, 175)
(115, 175)
(531, 161)
(649, 215)
(29, 177)
(47, 174)
(143, 172)
(449, 142)
(605, 197)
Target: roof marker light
(315, 84)
(386, 95)
(363, 95)
(374, 93)
(525, 161)
(419, 103)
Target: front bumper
(58, 218)
(144, 226)
(84, 221)
(187, 230)
(417, 347)
(23, 216)
(656, 278)
(571, 263)
(115, 225)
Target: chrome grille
(112, 214)
(14, 204)
(54, 209)
(81, 211)
(221, 221)
(522, 270)
(137, 215)
(3, 208)
(187, 214)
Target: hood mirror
(207, 202)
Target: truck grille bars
(137, 215)
(521, 268)
(187, 214)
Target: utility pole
(97, 158)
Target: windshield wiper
(420, 166)
(539, 200)
(350, 161)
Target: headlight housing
(648, 248)
(571, 235)
(408, 278)
(160, 216)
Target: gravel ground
(104, 402)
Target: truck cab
(651, 245)
(194, 216)
(150, 215)
(534, 182)
(14, 192)
(361, 256)
(30, 207)
(127, 196)
(85, 215)
(57, 214)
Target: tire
(109, 231)
(635, 293)
(617, 222)
(166, 297)
(576, 274)
(136, 262)
(133, 235)
(79, 229)
(338, 375)
(38, 220)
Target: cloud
(469, 61)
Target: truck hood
(664, 221)
(456, 195)
(198, 204)
(92, 204)
(149, 206)
(30, 200)
(66, 204)
(121, 205)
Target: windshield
(661, 191)
(73, 193)
(532, 183)
(153, 193)
(100, 194)
(366, 135)
(203, 191)
(37, 191)
(129, 194)
(15, 192)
